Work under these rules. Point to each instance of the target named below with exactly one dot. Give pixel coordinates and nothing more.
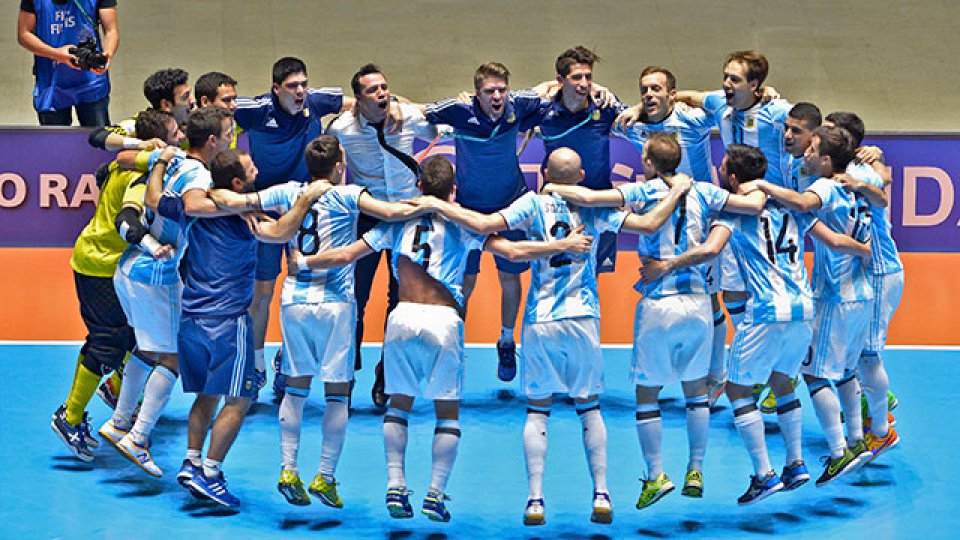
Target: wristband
(302, 263)
(131, 143)
(161, 160)
(149, 244)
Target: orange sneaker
(879, 445)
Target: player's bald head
(564, 167)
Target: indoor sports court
(888, 62)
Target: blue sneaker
(279, 379)
(214, 489)
(186, 473)
(760, 488)
(434, 507)
(398, 503)
(72, 436)
(795, 475)
(507, 366)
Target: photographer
(71, 60)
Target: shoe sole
(882, 449)
(602, 516)
(136, 462)
(114, 441)
(397, 512)
(797, 482)
(292, 498)
(196, 490)
(695, 492)
(85, 459)
(660, 494)
(324, 499)
(762, 496)
(184, 482)
(435, 516)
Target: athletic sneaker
(892, 401)
(654, 490)
(291, 487)
(139, 455)
(186, 473)
(879, 445)
(279, 379)
(602, 508)
(836, 467)
(326, 491)
(112, 433)
(72, 436)
(715, 388)
(534, 513)
(260, 378)
(862, 451)
(769, 403)
(507, 365)
(398, 502)
(868, 422)
(434, 507)
(795, 475)
(693, 484)
(84, 426)
(108, 392)
(761, 488)
(214, 489)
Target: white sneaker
(139, 455)
(534, 514)
(112, 433)
(602, 508)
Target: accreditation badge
(512, 118)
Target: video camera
(88, 57)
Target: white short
(318, 340)
(562, 357)
(152, 310)
(423, 351)
(672, 339)
(758, 349)
(887, 290)
(839, 334)
(731, 278)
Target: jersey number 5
(420, 245)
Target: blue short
(216, 355)
(607, 252)
(504, 265)
(269, 257)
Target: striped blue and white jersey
(838, 277)
(182, 175)
(330, 223)
(769, 250)
(886, 256)
(800, 179)
(565, 285)
(691, 127)
(761, 125)
(439, 246)
(686, 228)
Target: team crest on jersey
(750, 122)
(248, 384)
(596, 115)
(512, 118)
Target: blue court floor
(907, 493)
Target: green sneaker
(769, 403)
(836, 467)
(693, 484)
(326, 491)
(654, 490)
(892, 401)
(291, 487)
(863, 453)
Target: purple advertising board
(48, 191)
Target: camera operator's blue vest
(59, 86)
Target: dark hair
(571, 57)
(649, 70)
(367, 69)
(152, 124)
(204, 122)
(837, 143)
(286, 67)
(746, 162)
(490, 69)
(808, 112)
(664, 151)
(226, 166)
(850, 122)
(755, 62)
(160, 85)
(208, 83)
(323, 154)
(437, 177)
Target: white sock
(258, 361)
(790, 419)
(848, 391)
(291, 425)
(698, 426)
(334, 433)
(446, 438)
(193, 456)
(156, 394)
(535, 448)
(594, 442)
(750, 426)
(827, 407)
(211, 467)
(395, 445)
(875, 386)
(506, 334)
(718, 353)
(135, 375)
(650, 432)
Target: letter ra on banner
(53, 188)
